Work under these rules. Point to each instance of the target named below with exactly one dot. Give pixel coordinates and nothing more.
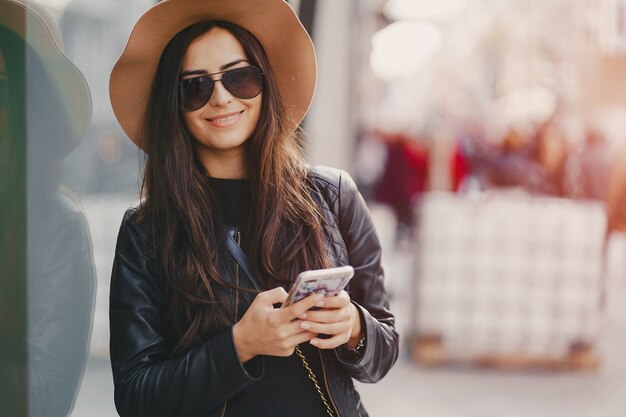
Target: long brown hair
(285, 231)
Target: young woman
(47, 277)
(213, 92)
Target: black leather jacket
(150, 382)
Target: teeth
(227, 119)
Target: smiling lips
(225, 120)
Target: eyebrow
(222, 68)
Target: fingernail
(320, 304)
(305, 326)
(302, 316)
(314, 342)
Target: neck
(228, 164)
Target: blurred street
(487, 137)
(410, 390)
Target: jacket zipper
(236, 304)
(237, 279)
(332, 401)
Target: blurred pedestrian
(588, 171)
(404, 177)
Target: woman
(214, 92)
(47, 277)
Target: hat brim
(288, 47)
(37, 28)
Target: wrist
(355, 347)
(356, 334)
(243, 353)
(357, 338)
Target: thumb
(273, 296)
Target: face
(225, 122)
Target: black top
(233, 196)
(285, 388)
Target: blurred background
(489, 140)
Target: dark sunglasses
(244, 83)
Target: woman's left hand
(338, 318)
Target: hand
(338, 318)
(265, 330)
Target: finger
(338, 301)
(292, 328)
(273, 296)
(283, 333)
(301, 338)
(301, 307)
(326, 328)
(331, 343)
(286, 347)
(328, 315)
(283, 328)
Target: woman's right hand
(265, 330)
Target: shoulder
(337, 193)
(133, 221)
(329, 177)
(57, 220)
(60, 235)
(135, 230)
(325, 175)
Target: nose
(221, 95)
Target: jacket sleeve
(61, 299)
(148, 380)
(367, 289)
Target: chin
(224, 144)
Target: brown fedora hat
(273, 22)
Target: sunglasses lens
(245, 83)
(195, 92)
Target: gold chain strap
(313, 378)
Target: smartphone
(329, 281)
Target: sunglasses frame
(180, 82)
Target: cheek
(187, 120)
(191, 123)
(256, 112)
(256, 117)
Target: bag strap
(241, 259)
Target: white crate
(508, 273)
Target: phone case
(329, 281)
